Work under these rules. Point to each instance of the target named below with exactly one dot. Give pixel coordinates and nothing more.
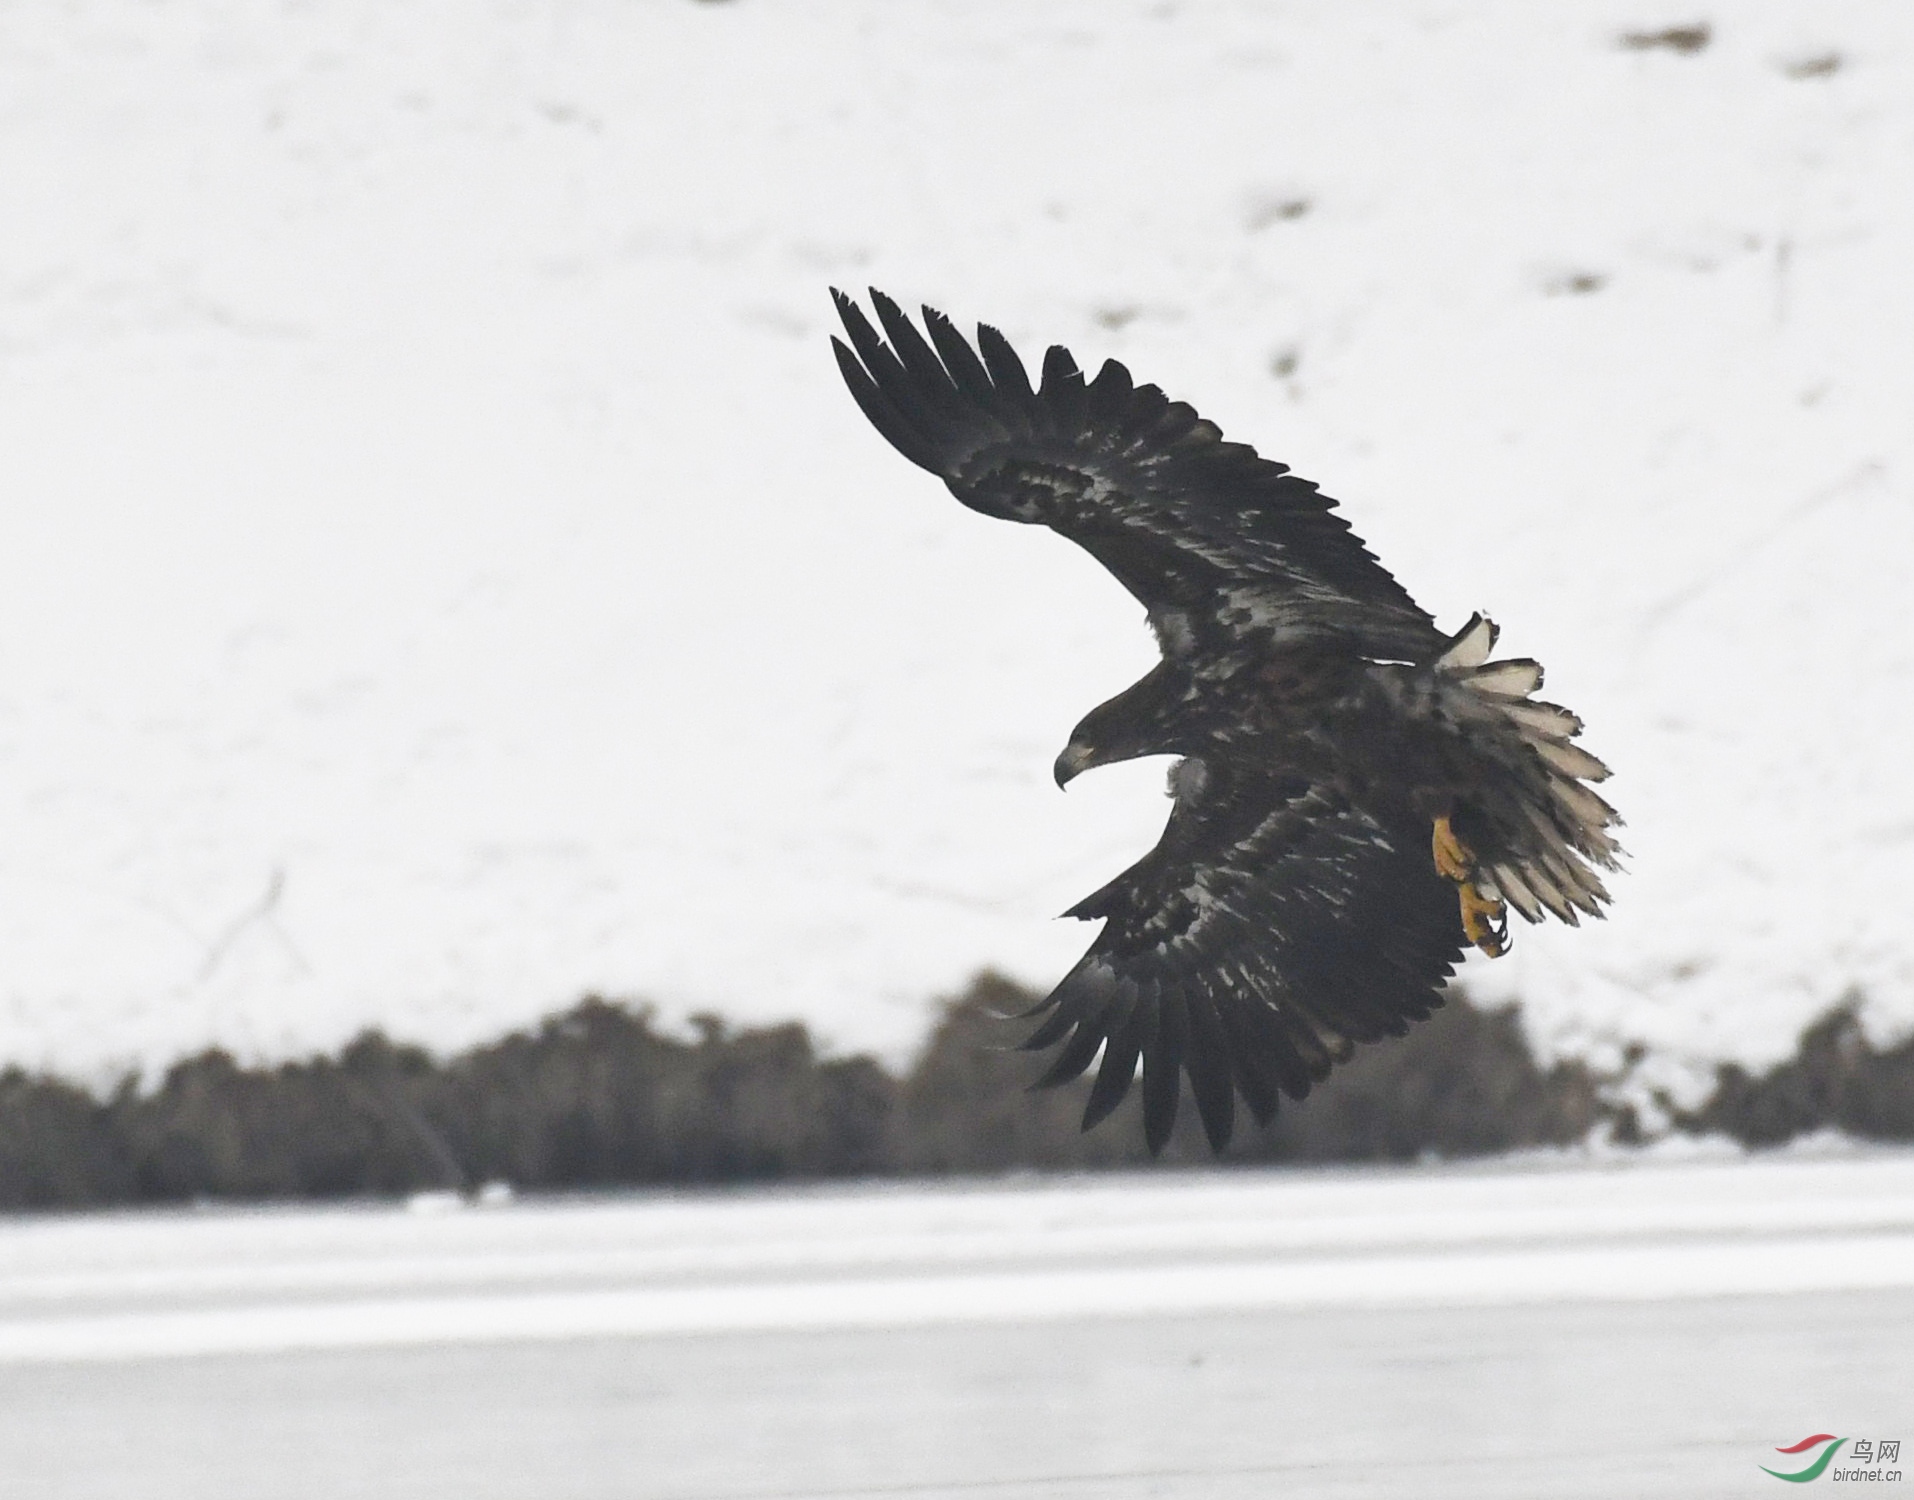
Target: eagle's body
(1357, 794)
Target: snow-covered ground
(144, 1285)
(1547, 1327)
(440, 571)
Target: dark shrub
(312, 1129)
(58, 1145)
(602, 1096)
(1835, 1080)
(1460, 1084)
(966, 1104)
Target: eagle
(1358, 797)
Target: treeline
(604, 1096)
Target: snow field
(139, 1286)
(441, 573)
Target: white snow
(441, 572)
(109, 1287)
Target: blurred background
(478, 704)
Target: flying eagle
(1359, 796)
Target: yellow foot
(1484, 920)
(1454, 859)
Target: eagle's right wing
(1211, 538)
(1273, 926)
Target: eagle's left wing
(1215, 541)
(1274, 926)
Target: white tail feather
(1588, 809)
(1547, 894)
(1571, 760)
(1548, 720)
(1515, 678)
(1580, 886)
(1577, 883)
(1550, 867)
(1509, 882)
(1471, 646)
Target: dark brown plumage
(1358, 795)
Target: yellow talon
(1484, 921)
(1453, 858)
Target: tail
(1552, 828)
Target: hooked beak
(1076, 759)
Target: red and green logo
(1813, 1470)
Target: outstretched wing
(1273, 927)
(1215, 541)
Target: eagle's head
(1147, 718)
(1078, 756)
